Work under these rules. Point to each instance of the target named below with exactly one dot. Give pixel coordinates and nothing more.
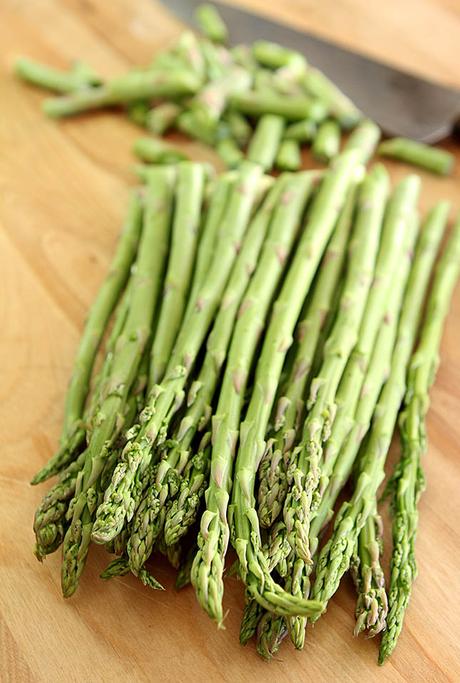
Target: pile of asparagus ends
(261, 102)
(259, 339)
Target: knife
(402, 104)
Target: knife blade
(401, 103)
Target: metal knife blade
(402, 104)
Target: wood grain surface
(63, 189)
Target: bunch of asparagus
(262, 102)
(257, 341)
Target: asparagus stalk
(318, 229)
(73, 432)
(431, 158)
(130, 346)
(187, 213)
(295, 108)
(128, 88)
(188, 48)
(326, 143)
(121, 496)
(304, 471)
(364, 138)
(211, 23)
(272, 470)
(202, 391)
(334, 559)
(53, 79)
(288, 156)
(213, 539)
(372, 602)
(152, 512)
(340, 106)
(265, 142)
(408, 480)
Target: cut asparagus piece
(295, 108)
(288, 157)
(96, 324)
(340, 106)
(334, 559)
(157, 151)
(408, 482)
(302, 131)
(229, 152)
(211, 23)
(265, 142)
(144, 290)
(326, 143)
(162, 117)
(53, 79)
(207, 571)
(431, 158)
(364, 138)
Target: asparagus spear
(150, 516)
(187, 213)
(433, 159)
(365, 138)
(372, 602)
(265, 142)
(408, 481)
(213, 539)
(73, 433)
(326, 143)
(334, 559)
(130, 346)
(271, 631)
(294, 108)
(211, 23)
(272, 470)
(165, 399)
(202, 390)
(135, 85)
(304, 470)
(318, 229)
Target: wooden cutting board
(63, 189)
